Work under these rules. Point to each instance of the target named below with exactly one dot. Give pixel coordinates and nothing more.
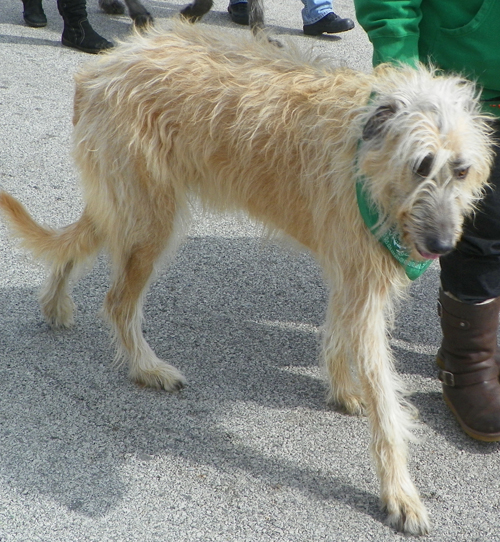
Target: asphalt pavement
(249, 451)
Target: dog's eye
(424, 168)
(461, 172)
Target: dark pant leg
(472, 271)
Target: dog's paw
(161, 376)
(351, 403)
(408, 515)
(58, 312)
(192, 13)
(143, 21)
(274, 41)
(112, 7)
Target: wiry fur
(239, 124)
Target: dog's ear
(376, 122)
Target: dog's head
(426, 154)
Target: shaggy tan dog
(166, 119)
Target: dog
(194, 12)
(192, 114)
(140, 16)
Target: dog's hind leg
(139, 14)
(195, 11)
(133, 267)
(112, 7)
(256, 20)
(65, 250)
(55, 299)
(78, 243)
(361, 324)
(255, 15)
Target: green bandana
(389, 239)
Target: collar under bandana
(390, 239)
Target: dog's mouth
(431, 253)
(428, 255)
(427, 249)
(420, 252)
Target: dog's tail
(75, 242)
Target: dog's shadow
(240, 320)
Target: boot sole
(34, 24)
(484, 437)
(67, 43)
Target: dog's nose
(437, 245)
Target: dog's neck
(388, 237)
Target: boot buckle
(447, 378)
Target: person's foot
(33, 13)
(238, 12)
(83, 37)
(329, 24)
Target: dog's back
(192, 110)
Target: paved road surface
(248, 452)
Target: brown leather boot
(468, 368)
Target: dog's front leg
(389, 419)
(360, 333)
(344, 388)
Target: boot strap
(453, 321)
(468, 379)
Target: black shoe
(33, 13)
(84, 38)
(329, 24)
(77, 32)
(238, 12)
